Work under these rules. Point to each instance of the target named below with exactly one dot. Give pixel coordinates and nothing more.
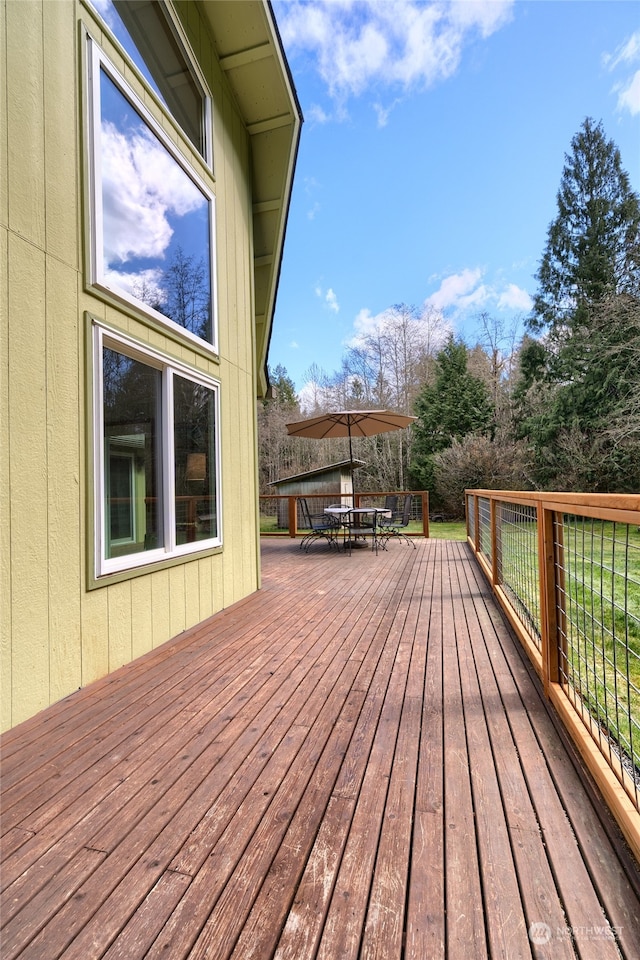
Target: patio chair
(320, 527)
(393, 526)
(359, 524)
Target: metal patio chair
(320, 527)
(394, 525)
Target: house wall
(59, 631)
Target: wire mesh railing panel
(598, 613)
(471, 517)
(518, 563)
(274, 515)
(484, 518)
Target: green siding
(57, 633)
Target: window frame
(191, 63)
(104, 336)
(97, 61)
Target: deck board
(356, 762)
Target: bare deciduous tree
(476, 462)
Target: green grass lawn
(455, 530)
(602, 589)
(448, 530)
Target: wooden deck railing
(566, 570)
(280, 514)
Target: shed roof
(319, 471)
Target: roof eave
(252, 58)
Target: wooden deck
(353, 763)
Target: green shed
(333, 480)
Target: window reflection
(155, 219)
(194, 444)
(131, 396)
(145, 32)
(158, 488)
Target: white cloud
(467, 290)
(316, 114)
(142, 184)
(629, 95)
(366, 324)
(431, 327)
(328, 296)
(384, 112)
(145, 285)
(627, 52)
(514, 298)
(390, 45)
(627, 89)
(311, 188)
(332, 301)
(308, 397)
(458, 290)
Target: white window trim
(104, 336)
(97, 61)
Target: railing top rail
(563, 501)
(326, 496)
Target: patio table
(351, 519)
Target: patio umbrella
(349, 423)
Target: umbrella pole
(353, 489)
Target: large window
(152, 217)
(150, 37)
(156, 456)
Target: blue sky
(431, 155)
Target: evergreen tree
(284, 389)
(570, 383)
(593, 245)
(455, 405)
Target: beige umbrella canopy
(349, 423)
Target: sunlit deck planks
(354, 762)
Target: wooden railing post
(546, 591)
(551, 568)
(425, 513)
(476, 522)
(494, 518)
(293, 516)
